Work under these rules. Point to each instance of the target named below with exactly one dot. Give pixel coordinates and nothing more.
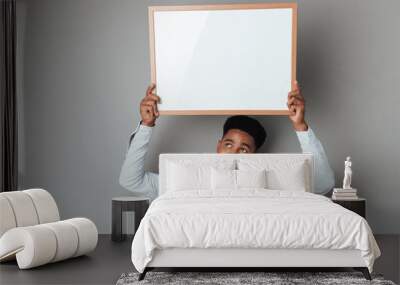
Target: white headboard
(164, 157)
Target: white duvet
(250, 219)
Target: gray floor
(109, 260)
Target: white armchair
(32, 233)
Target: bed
(247, 211)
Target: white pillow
(251, 178)
(292, 178)
(236, 179)
(223, 179)
(281, 175)
(187, 175)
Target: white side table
(137, 204)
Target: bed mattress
(250, 219)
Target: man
(242, 134)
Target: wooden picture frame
(155, 13)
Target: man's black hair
(248, 125)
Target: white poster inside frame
(223, 59)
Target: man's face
(236, 141)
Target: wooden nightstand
(356, 205)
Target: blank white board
(223, 59)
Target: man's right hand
(148, 107)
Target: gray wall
(86, 68)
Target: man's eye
(228, 144)
(244, 150)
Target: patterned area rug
(225, 278)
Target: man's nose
(237, 150)
(231, 150)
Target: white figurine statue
(347, 173)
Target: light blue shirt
(134, 178)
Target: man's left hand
(296, 106)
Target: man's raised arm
(324, 176)
(133, 176)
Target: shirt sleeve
(133, 177)
(324, 178)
